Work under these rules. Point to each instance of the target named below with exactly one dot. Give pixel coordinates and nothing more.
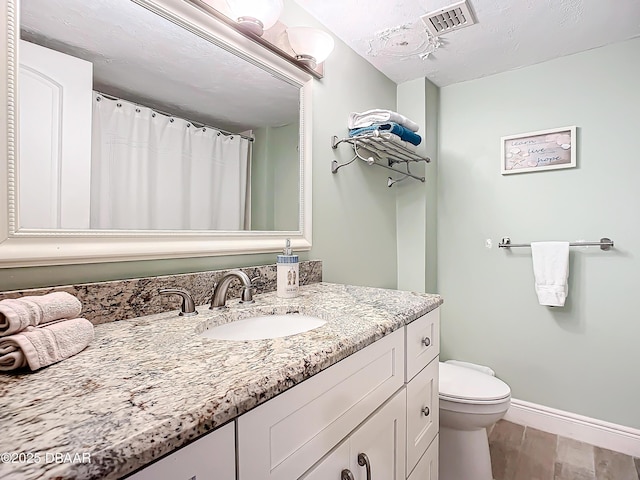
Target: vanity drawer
(423, 342)
(427, 468)
(423, 415)
(284, 437)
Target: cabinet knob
(346, 475)
(426, 411)
(426, 341)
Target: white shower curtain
(150, 171)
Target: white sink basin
(266, 326)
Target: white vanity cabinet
(382, 402)
(211, 457)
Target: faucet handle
(188, 308)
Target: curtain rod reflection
(195, 124)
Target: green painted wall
(275, 179)
(581, 357)
(416, 202)
(353, 213)
(354, 220)
(261, 182)
(283, 149)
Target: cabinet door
(423, 414)
(382, 440)
(211, 457)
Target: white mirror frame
(20, 248)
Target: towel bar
(604, 244)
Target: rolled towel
(37, 347)
(16, 314)
(378, 115)
(393, 138)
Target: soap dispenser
(288, 273)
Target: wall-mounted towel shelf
(604, 244)
(384, 149)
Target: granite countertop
(149, 385)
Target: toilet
(470, 402)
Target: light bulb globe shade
(311, 45)
(246, 12)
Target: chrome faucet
(219, 297)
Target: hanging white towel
(551, 272)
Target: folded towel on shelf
(16, 314)
(37, 347)
(551, 272)
(389, 137)
(404, 133)
(395, 139)
(377, 115)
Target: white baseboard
(589, 430)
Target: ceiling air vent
(448, 19)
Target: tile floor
(524, 453)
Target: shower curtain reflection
(151, 171)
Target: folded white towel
(37, 347)
(16, 314)
(377, 115)
(551, 272)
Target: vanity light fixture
(311, 45)
(256, 16)
(304, 47)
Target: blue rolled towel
(403, 132)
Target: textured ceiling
(509, 34)
(142, 57)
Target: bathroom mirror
(175, 137)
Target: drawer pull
(346, 475)
(426, 341)
(426, 411)
(363, 461)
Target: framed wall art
(538, 151)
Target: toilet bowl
(470, 402)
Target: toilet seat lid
(470, 386)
